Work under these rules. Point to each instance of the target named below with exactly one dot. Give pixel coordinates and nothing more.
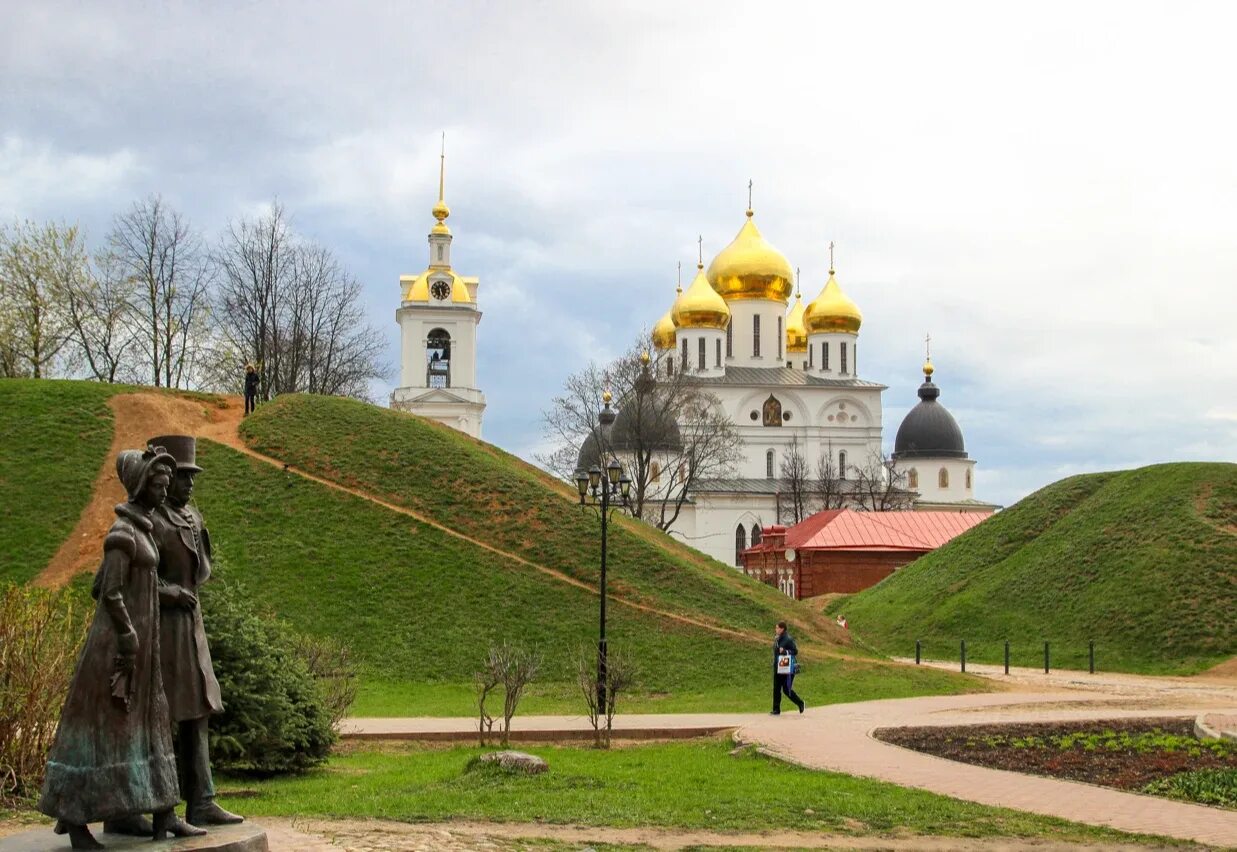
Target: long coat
(184, 562)
(109, 761)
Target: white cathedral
(787, 377)
(783, 377)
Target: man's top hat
(183, 448)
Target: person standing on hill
(785, 664)
(251, 388)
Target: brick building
(842, 550)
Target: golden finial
(831, 257)
(928, 369)
(606, 396)
(644, 357)
(441, 211)
(749, 198)
(679, 289)
(699, 251)
(796, 282)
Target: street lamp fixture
(609, 493)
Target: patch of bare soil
(1105, 760)
(137, 417)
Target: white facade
(438, 319)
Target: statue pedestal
(245, 837)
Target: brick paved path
(838, 737)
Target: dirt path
(140, 416)
(389, 836)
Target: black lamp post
(610, 489)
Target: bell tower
(438, 319)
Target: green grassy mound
(53, 437)
(419, 607)
(484, 493)
(1142, 562)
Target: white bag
(785, 664)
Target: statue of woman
(112, 759)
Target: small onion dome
(663, 332)
(441, 211)
(929, 431)
(700, 306)
(796, 330)
(750, 268)
(833, 311)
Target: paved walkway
(839, 738)
(547, 728)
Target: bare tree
(39, 264)
(288, 306)
(829, 489)
(164, 259)
(621, 675)
(98, 305)
(513, 668)
(670, 431)
(881, 487)
(795, 483)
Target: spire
(679, 288)
(441, 211)
(831, 257)
(928, 369)
(796, 282)
(749, 198)
(700, 251)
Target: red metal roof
(846, 529)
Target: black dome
(929, 430)
(620, 434)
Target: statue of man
(188, 677)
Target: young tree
(829, 489)
(881, 487)
(39, 264)
(164, 259)
(796, 484)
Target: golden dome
(750, 268)
(663, 332)
(928, 369)
(833, 311)
(417, 287)
(700, 306)
(796, 330)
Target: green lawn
(688, 785)
(483, 492)
(420, 607)
(1143, 562)
(55, 436)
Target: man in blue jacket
(784, 644)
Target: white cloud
(39, 178)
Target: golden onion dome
(700, 306)
(928, 369)
(750, 268)
(796, 329)
(833, 311)
(663, 332)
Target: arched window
(756, 336)
(780, 338)
(438, 359)
(669, 365)
(769, 464)
(843, 349)
(740, 544)
(841, 464)
(811, 356)
(968, 479)
(824, 356)
(854, 359)
(942, 478)
(755, 534)
(730, 339)
(655, 472)
(700, 354)
(719, 353)
(440, 251)
(912, 479)
(684, 353)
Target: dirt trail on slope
(140, 416)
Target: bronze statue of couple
(132, 738)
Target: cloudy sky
(1050, 190)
